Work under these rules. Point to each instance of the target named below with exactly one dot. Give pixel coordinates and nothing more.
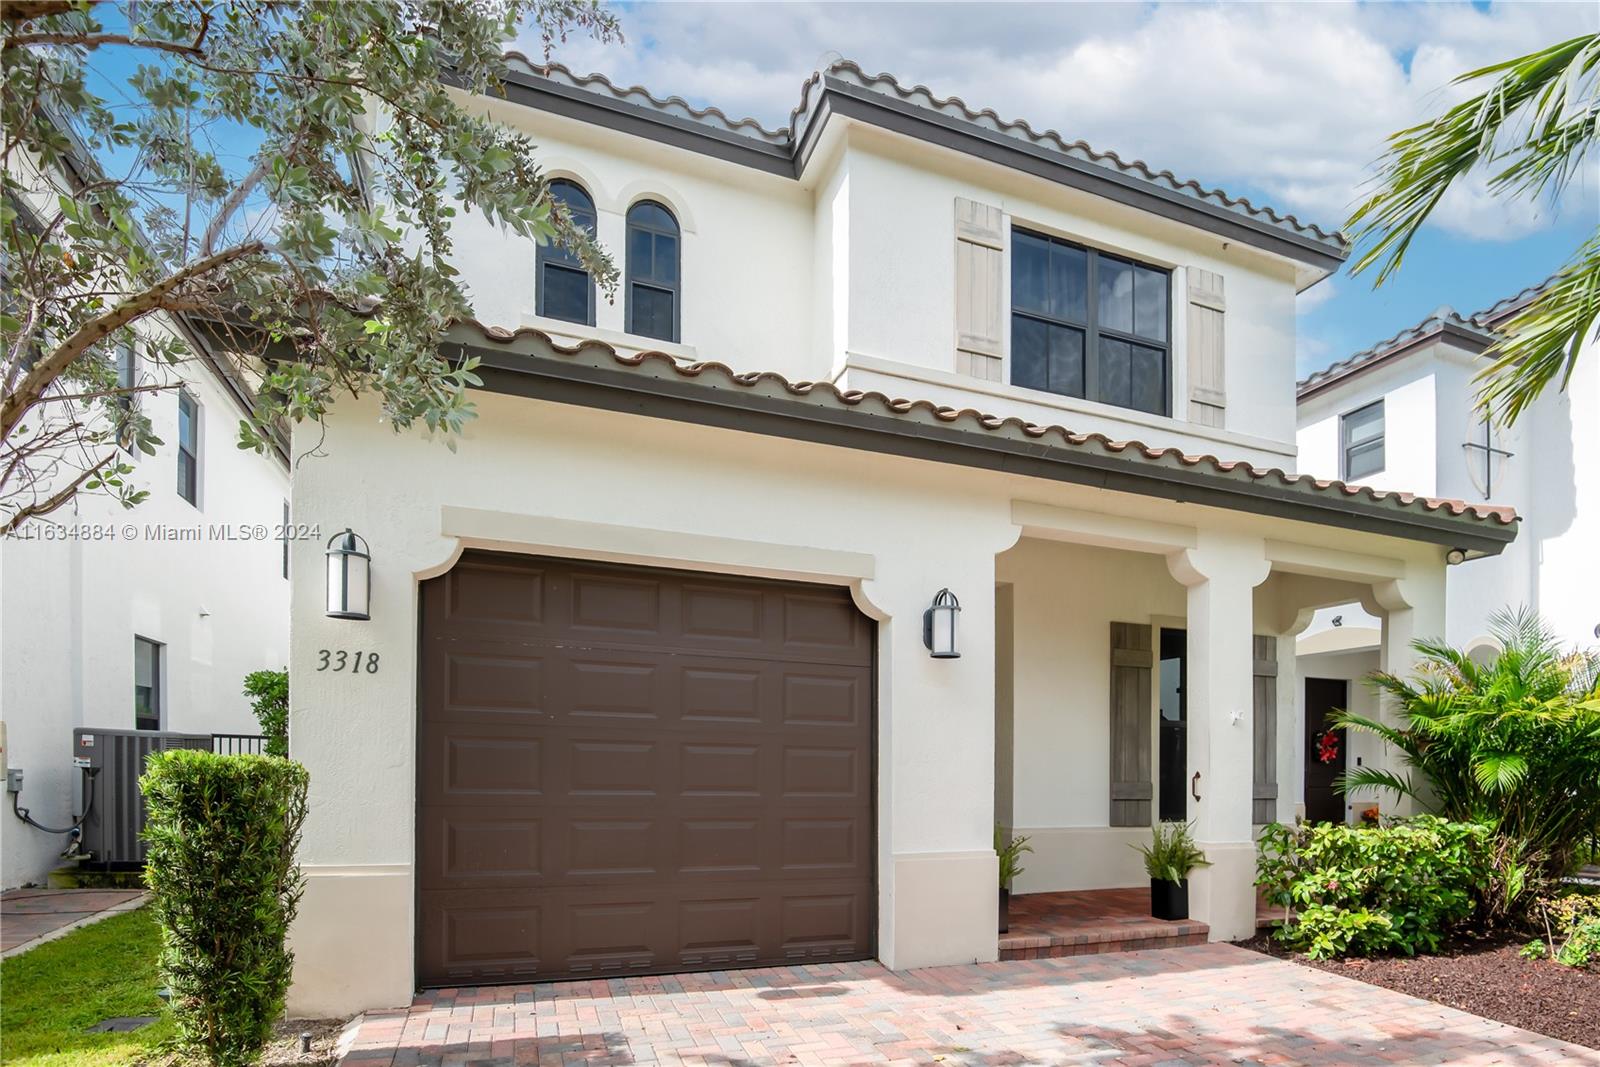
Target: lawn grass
(51, 994)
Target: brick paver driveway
(1203, 1004)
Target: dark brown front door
(1324, 696)
(631, 771)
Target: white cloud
(1293, 100)
(1314, 297)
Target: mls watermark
(159, 532)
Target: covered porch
(1145, 672)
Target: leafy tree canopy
(289, 169)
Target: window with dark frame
(146, 684)
(1361, 441)
(1089, 324)
(653, 271)
(127, 379)
(564, 289)
(188, 448)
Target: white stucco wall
(70, 609)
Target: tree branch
(54, 500)
(232, 204)
(34, 383)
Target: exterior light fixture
(939, 625)
(1455, 556)
(349, 576)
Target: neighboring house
(644, 686)
(1402, 415)
(145, 618)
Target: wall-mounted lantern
(939, 626)
(349, 576)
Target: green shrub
(222, 832)
(1171, 853)
(1571, 927)
(1514, 743)
(1009, 850)
(1357, 890)
(269, 699)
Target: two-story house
(146, 618)
(662, 669)
(1403, 414)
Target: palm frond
(1542, 340)
(1373, 779)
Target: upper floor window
(127, 381)
(653, 251)
(1089, 324)
(188, 448)
(146, 684)
(565, 290)
(1361, 441)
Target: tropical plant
(267, 184)
(222, 833)
(1513, 743)
(1532, 128)
(269, 700)
(1171, 853)
(1571, 929)
(1010, 850)
(1365, 889)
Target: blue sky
(1287, 104)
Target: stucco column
(1411, 609)
(1221, 574)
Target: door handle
(1194, 785)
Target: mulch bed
(284, 1051)
(1488, 979)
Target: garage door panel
(643, 771)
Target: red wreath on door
(1328, 746)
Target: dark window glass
(1116, 295)
(653, 271)
(1173, 800)
(1150, 303)
(188, 447)
(1361, 433)
(565, 291)
(127, 378)
(146, 684)
(1064, 342)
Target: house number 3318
(353, 662)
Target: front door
(1173, 798)
(1324, 697)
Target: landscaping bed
(1487, 978)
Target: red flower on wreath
(1328, 746)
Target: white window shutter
(980, 318)
(1208, 399)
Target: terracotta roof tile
(721, 376)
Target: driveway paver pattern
(1204, 1004)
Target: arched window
(652, 296)
(565, 290)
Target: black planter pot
(1169, 900)
(1005, 910)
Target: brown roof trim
(527, 362)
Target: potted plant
(1010, 850)
(1168, 859)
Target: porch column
(1411, 608)
(1221, 573)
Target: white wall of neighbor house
(70, 608)
(1431, 419)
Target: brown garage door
(631, 771)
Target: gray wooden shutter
(980, 319)
(1208, 400)
(1265, 759)
(1130, 724)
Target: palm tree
(1514, 743)
(1532, 127)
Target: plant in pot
(1168, 859)
(1010, 850)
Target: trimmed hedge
(1356, 890)
(222, 832)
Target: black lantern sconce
(939, 626)
(349, 576)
